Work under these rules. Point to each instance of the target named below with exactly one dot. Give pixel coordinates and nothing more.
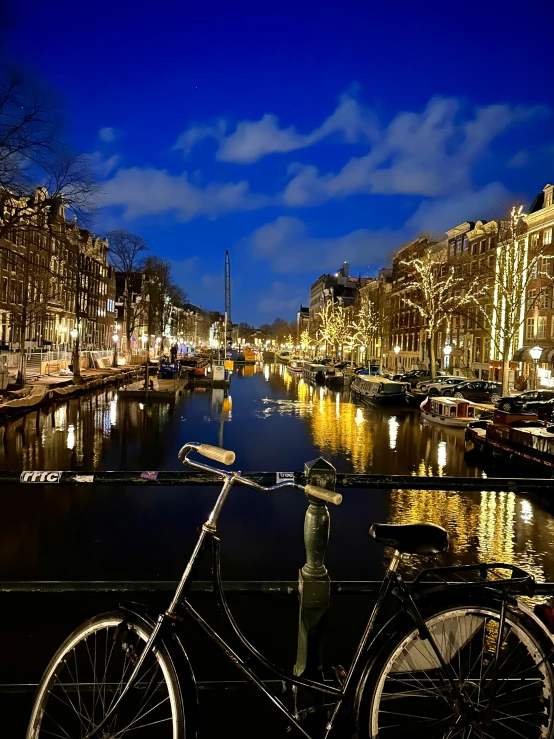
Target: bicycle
(458, 658)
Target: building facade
(55, 279)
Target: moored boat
(379, 389)
(296, 365)
(448, 411)
(520, 437)
(284, 357)
(314, 372)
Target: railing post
(314, 584)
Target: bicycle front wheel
(408, 693)
(87, 674)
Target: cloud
(444, 213)
(108, 134)
(149, 191)
(288, 246)
(102, 166)
(183, 269)
(278, 300)
(520, 159)
(425, 154)
(195, 134)
(253, 140)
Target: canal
(273, 420)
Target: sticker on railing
(41, 477)
(149, 475)
(283, 476)
(84, 478)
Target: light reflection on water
(277, 421)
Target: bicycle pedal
(340, 674)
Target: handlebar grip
(327, 495)
(217, 453)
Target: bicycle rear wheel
(87, 674)
(408, 694)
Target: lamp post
(447, 351)
(536, 353)
(396, 351)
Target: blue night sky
(297, 135)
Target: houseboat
(247, 356)
(379, 389)
(448, 411)
(314, 372)
(520, 437)
(284, 357)
(296, 365)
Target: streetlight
(74, 333)
(536, 353)
(447, 352)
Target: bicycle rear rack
(497, 575)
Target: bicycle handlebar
(217, 453)
(227, 457)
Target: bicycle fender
(181, 661)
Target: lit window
(541, 327)
(547, 238)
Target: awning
(523, 355)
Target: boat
(246, 357)
(296, 365)
(314, 372)
(448, 411)
(379, 389)
(516, 436)
(284, 357)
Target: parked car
(435, 387)
(543, 408)
(516, 402)
(477, 390)
(414, 376)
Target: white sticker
(41, 477)
(283, 476)
(84, 478)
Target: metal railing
(314, 586)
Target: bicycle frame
(342, 696)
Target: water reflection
(273, 420)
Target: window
(543, 299)
(534, 239)
(491, 261)
(546, 266)
(547, 236)
(530, 328)
(541, 327)
(483, 246)
(548, 199)
(474, 248)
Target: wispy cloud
(426, 154)
(281, 299)
(108, 134)
(149, 191)
(287, 245)
(253, 140)
(103, 166)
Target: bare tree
(38, 171)
(438, 292)
(363, 327)
(333, 324)
(126, 256)
(512, 286)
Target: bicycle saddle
(411, 538)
